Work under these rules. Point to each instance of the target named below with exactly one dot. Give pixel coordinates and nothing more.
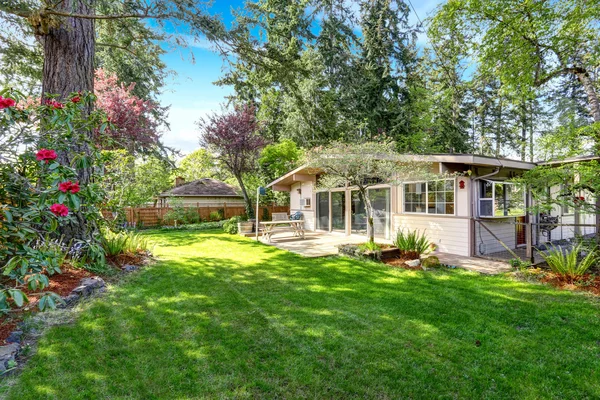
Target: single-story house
(204, 192)
(470, 188)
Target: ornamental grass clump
(569, 264)
(411, 244)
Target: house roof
(467, 159)
(203, 188)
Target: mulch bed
(400, 262)
(587, 283)
(61, 284)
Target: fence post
(224, 210)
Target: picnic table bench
(296, 226)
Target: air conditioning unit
(305, 202)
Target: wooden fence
(153, 216)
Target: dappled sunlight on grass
(222, 317)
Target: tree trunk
(69, 67)
(249, 208)
(590, 91)
(369, 210)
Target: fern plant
(567, 263)
(411, 244)
(123, 242)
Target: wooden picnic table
(296, 226)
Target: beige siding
(306, 189)
(502, 228)
(450, 234)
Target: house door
(323, 211)
(520, 226)
(338, 211)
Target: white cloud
(184, 133)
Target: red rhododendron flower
(6, 102)
(76, 99)
(45, 155)
(54, 103)
(59, 210)
(69, 186)
(75, 187)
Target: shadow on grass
(223, 316)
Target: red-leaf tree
(134, 125)
(233, 138)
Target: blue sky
(192, 94)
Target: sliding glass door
(323, 211)
(380, 201)
(338, 211)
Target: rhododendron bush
(39, 194)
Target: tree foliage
(233, 137)
(362, 165)
(133, 123)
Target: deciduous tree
(233, 137)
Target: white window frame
(427, 197)
(480, 198)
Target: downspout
(474, 189)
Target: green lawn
(224, 317)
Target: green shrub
(411, 244)
(431, 262)
(518, 263)
(216, 215)
(195, 227)
(568, 263)
(365, 250)
(231, 225)
(369, 246)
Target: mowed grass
(225, 317)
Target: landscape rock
(413, 263)
(130, 268)
(7, 355)
(89, 285)
(14, 337)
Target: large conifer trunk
(69, 67)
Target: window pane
(414, 197)
(486, 189)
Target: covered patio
(322, 244)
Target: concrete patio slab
(480, 265)
(314, 244)
(319, 244)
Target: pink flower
(69, 186)
(6, 102)
(60, 210)
(45, 155)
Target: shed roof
(205, 187)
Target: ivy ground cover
(224, 317)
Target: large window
(433, 197)
(501, 199)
